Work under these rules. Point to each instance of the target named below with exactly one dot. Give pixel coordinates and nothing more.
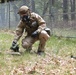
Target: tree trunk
(45, 7)
(3, 11)
(51, 4)
(72, 9)
(32, 5)
(26, 2)
(2, 1)
(65, 10)
(14, 9)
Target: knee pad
(44, 35)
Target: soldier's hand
(14, 47)
(14, 43)
(34, 34)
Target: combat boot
(29, 49)
(39, 52)
(14, 50)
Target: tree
(2, 12)
(2, 1)
(51, 8)
(65, 10)
(45, 8)
(15, 8)
(72, 9)
(32, 5)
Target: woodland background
(60, 16)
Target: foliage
(56, 61)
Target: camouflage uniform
(36, 24)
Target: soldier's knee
(44, 35)
(25, 45)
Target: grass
(66, 32)
(56, 61)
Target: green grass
(56, 60)
(66, 32)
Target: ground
(56, 60)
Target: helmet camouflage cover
(23, 10)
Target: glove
(14, 43)
(48, 31)
(34, 34)
(14, 47)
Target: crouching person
(35, 27)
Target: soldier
(35, 27)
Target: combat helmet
(23, 10)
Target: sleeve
(19, 31)
(41, 23)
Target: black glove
(34, 34)
(14, 47)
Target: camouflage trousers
(28, 41)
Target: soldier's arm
(41, 23)
(19, 31)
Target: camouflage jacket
(36, 23)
